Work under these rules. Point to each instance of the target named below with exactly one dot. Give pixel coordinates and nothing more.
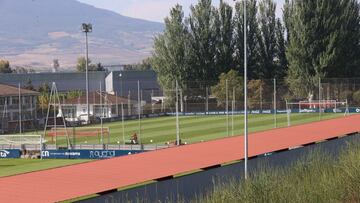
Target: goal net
(95, 135)
(310, 110)
(326, 106)
(21, 139)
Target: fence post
(319, 103)
(227, 107)
(139, 112)
(233, 109)
(275, 105)
(177, 114)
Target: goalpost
(21, 139)
(316, 106)
(74, 133)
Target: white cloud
(154, 10)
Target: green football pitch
(161, 130)
(192, 128)
(18, 166)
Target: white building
(14, 113)
(102, 105)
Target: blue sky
(154, 10)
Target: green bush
(356, 97)
(316, 178)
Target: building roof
(95, 98)
(7, 90)
(65, 81)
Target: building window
(27, 100)
(2, 100)
(14, 100)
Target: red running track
(90, 178)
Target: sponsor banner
(10, 153)
(354, 110)
(271, 111)
(86, 154)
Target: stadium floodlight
(245, 94)
(87, 28)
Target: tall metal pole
(245, 94)
(20, 112)
(129, 104)
(227, 107)
(232, 113)
(177, 114)
(207, 101)
(101, 116)
(275, 105)
(87, 77)
(117, 104)
(319, 103)
(55, 121)
(139, 111)
(122, 121)
(152, 104)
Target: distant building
(65, 81)
(110, 68)
(101, 105)
(125, 84)
(10, 109)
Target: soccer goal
(324, 106)
(315, 108)
(21, 139)
(77, 135)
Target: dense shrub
(316, 178)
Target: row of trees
(315, 39)
(44, 98)
(5, 68)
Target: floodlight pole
(86, 28)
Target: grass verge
(315, 178)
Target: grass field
(195, 128)
(17, 166)
(161, 130)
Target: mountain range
(34, 32)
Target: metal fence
(195, 111)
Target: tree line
(313, 39)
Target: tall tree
(224, 38)
(170, 51)
(252, 39)
(29, 85)
(322, 44)
(288, 9)
(267, 38)
(5, 67)
(81, 65)
(281, 63)
(202, 41)
(233, 81)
